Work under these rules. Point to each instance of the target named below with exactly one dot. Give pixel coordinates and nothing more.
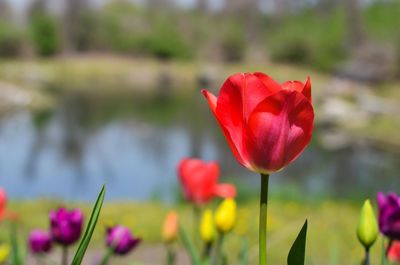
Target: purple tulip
(66, 226)
(40, 241)
(389, 215)
(120, 240)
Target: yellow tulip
(171, 227)
(367, 229)
(225, 216)
(4, 252)
(207, 228)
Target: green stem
(383, 252)
(207, 252)
(388, 249)
(64, 256)
(106, 257)
(244, 250)
(263, 220)
(366, 260)
(16, 258)
(196, 224)
(171, 255)
(218, 257)
(188, 244)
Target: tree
(248, 14)
(153, 5)
(38, 7)
(354, 22)
(202, 6)
(43, 29)
(79, 24)
(45, 36)
(5, 10)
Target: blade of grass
(16, 256)
(244, 252)
(83, 245)
(297, 251)
(194, 255)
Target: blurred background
(95, 92)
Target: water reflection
(134, 145)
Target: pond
(133, 144)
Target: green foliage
(127, 29)
(117, 29)
(85, 34)
(382, 20)
(233, 41)
(189, 246)
(164, 41)
(87, 236)
(45, 36)
(11, 40)
(16, 255)
(308, 38)
(297, 251)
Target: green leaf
(83, 245)
(297, 251)
(16, 255)
(194, 255)
(244, 252)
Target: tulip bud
(4, 252)
(40, 242)
(121, 240)
(207, 228)
(66, 226)
(225, 216)
(367, 229)
(171, 226)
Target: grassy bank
(331, 239)
(103, 73)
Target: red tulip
(266, 124)
(394, 252)
(3, 202)
(4, 213)
(199, 181)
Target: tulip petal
(187, 166)
(394, 252)
(251, 88)
(278, 130)
(238, 134)
(198, 179)
(381, 199)
(225, 190)
(270, 83)
(211, 98)
(305, 89)
(239, 95)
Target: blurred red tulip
(394, 252)
(266, 124)
(3, 202)
(4, 213)
(199, 181)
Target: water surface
(133, 144)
